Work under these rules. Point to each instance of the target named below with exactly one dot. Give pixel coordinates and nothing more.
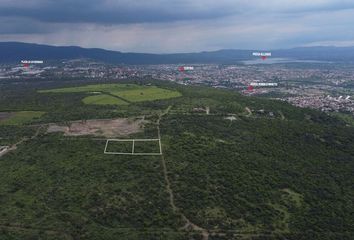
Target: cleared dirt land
(5, 115)
(105, 128)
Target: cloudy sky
(165, 26)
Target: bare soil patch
(6, 115)
(105, 128)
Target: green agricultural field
(128, 92)
(103, 99)
(93, 88)
(20, 118)
(146, 94)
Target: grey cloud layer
(117, 12)
(141, 11)
(178, 25)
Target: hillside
(15, 52)
(232, 167)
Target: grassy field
(93, 88)
(128, 92)
(20, 118)
(103, 99)
(146, 94)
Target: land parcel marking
(147, 147)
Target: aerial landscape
(139, 138)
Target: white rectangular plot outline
(133, 147)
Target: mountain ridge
(17, 51)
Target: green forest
(232, 167)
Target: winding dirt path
(248, 110)
(24, 139)
(189, 225)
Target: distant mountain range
(16, 51)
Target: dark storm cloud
(178, 25)
(12, 25)
(117, 12)
(142, 11)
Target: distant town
(324, 86)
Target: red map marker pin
(264, 57)
(250, 88)
(26, 65)
(181, 69)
